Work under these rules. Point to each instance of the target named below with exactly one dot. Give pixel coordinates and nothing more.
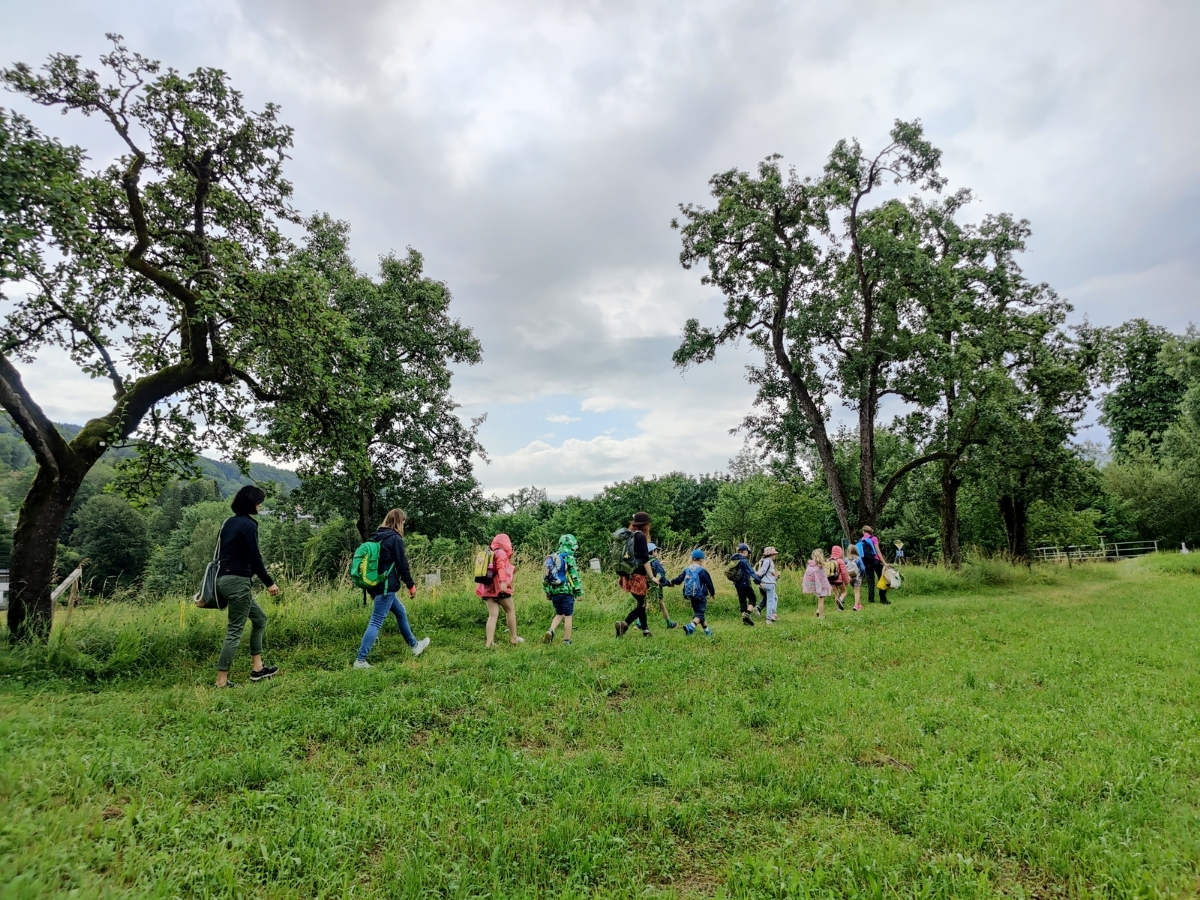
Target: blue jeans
(384, 604)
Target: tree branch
(39, 432)
(898, 475)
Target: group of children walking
(642, 575)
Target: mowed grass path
(1035, 742)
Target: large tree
(165, 273)
(395, 439)
(825, 286)
(1144, 395)
(976, 318)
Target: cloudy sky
(536, 152)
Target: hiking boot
(746, 620)
(419, 646)
(622, 627)
(264, 673)
(689, 629)
(671, 624)
(548, 637)
(361, 664)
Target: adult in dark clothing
(638, 584)
(239, 560)
(394, 562)
(745, 574)
(868, 550)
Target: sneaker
(886, 602)
(707, 631)
(519, 640)
(671, 624)
(361, 664)
(857, 608)
(264, 673)
(840, 604)
(746, 620)
(772, 618)
(566, 640)
(689, 629)
(622, 627)
(548, 637)
(226, 684)
(645, 632)
(420, 646)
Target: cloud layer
(535, 152)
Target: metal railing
(1104, 551)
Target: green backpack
(364, 567)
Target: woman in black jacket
(394, 562)
(239, 561)
(637, 584)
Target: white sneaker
(361, 664)
(420, 646)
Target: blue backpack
(693, 587)
(555, 570)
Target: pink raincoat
(502, 584)
(815, 581)
(835, 553)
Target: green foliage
(916, 750)
(112, 536)
(393, 439)
(1145, 396)
(761, 510)
(176, 566)
(329, 550)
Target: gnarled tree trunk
(951, 546)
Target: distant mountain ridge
(16, 454)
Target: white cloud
(535, 153)
(563, 419)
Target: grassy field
(998, 733)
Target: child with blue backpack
(562, 585)
(697, 588)
(660, 581)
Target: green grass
(1020, 733)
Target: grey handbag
(208, 597)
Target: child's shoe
(548, 637)
(645, 632)
(566, 640)
(671, 624)
(689, 629)
(746, 620)
(857, 607)
(840, 604)
(707, 631)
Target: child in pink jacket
(497, 591)
(816, 581)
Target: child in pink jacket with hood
(497, 592)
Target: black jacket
(391, 553)
(239, 554)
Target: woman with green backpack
(392, 568)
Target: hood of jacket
(567, 544)
(382, 534)
(740, 556)
(835, 553)
(501, 542)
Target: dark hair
(246, 500)
(641, 522)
